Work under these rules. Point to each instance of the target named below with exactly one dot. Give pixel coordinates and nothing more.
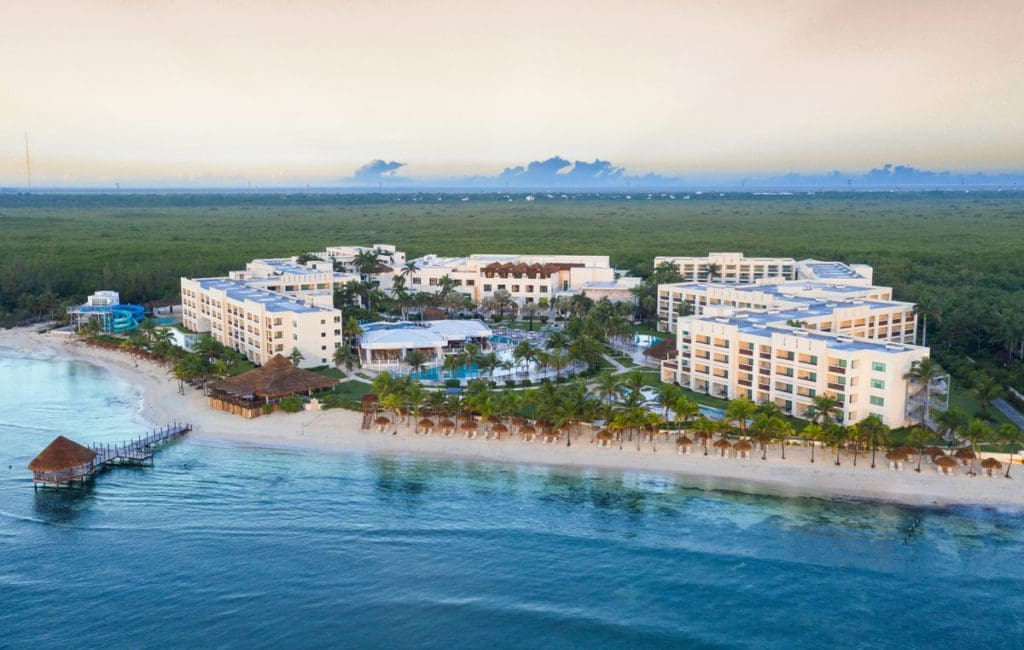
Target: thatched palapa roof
(743, 445)
(964, 453)
(991, 463)
(896, 455)
(663, 349)
(945, 461)
(684, 441)
(276, 378)
(61, 454)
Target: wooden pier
(64, 461)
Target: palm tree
(875, 433)
(295, 356)
(685, 409)
(739, 411)
(836, 435)
(415, 359)
(343, 356)
(366, 263)
(764, 428)
(525, 352)
(951, 421)
(1012, 437)
(704, 427)
(181, 373)
(923, 372)
(823, 409)
(813, 432)
(409, 268)
(977, 431)
(986, 391)
(667, 394)
(530, 310)
(559, 359)
(782, 431)
(713, 271)
(856, 436)
(918, 437)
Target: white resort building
(735, 268)
(384, 346)
(820, 328)
(273, 306)
(527, 278)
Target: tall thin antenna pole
(28, 164)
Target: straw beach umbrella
(469, 428)
(933, 452)
(446, 426)
(499, 429)
(382, 423)
(528, 432)
(990, 465)
(723, 446)
(896, 459)
(743, 449)
(906, 450)
(684, 445)
(604, 438)
(964, 455)
(944, 464)
(427, 425)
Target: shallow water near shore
(226, 545)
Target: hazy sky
(292, 92)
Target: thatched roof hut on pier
(62, 461)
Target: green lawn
(961, 398)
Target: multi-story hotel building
(271, 307)
(748, 354)
(527, 278)
(735, 268)
(863, 311)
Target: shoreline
(337, 431)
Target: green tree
(295, 356)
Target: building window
(877, 401)
(487, 287)
(878, 366)
(433, 282)
(417, 280)
(470, 283)
(877, 383)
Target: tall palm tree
(685, 409)
(783, 431)
(525, 352)
(366, 263)
(667, 394)
(950, 421)
(704, 427)
(836, 434)
(824, 409)
(559, 359)
(739, 411)
(923, 372)
(415, 359)
(918, 438)
(977, 431)
(813, 432)
(986, 391)
(295, 356)
(409, 268)
(764, 429)
(713, 271)
(875, 433)
(856, 436)
(1011, 436)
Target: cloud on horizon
(374, 170)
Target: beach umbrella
(742, 448)
(604, 438)
(427, 423)
(382, 423)
(934, 451)
(722, 445)
(468, 425)
(499, 429)
(906, 450)
(528, 431)
(990, 464)
(965, 455)
(945, 463)
(896, 455)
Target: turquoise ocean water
(220, 545)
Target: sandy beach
(337, 431)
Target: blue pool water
(220, 545)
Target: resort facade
(748, 354)
(527, 278)
(261, 323)
(866, 311)
(736, 268)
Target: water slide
(124, 318)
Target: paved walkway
(1006, 409)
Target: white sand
(338, 431)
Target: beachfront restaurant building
(248, 393)
(385, 346)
